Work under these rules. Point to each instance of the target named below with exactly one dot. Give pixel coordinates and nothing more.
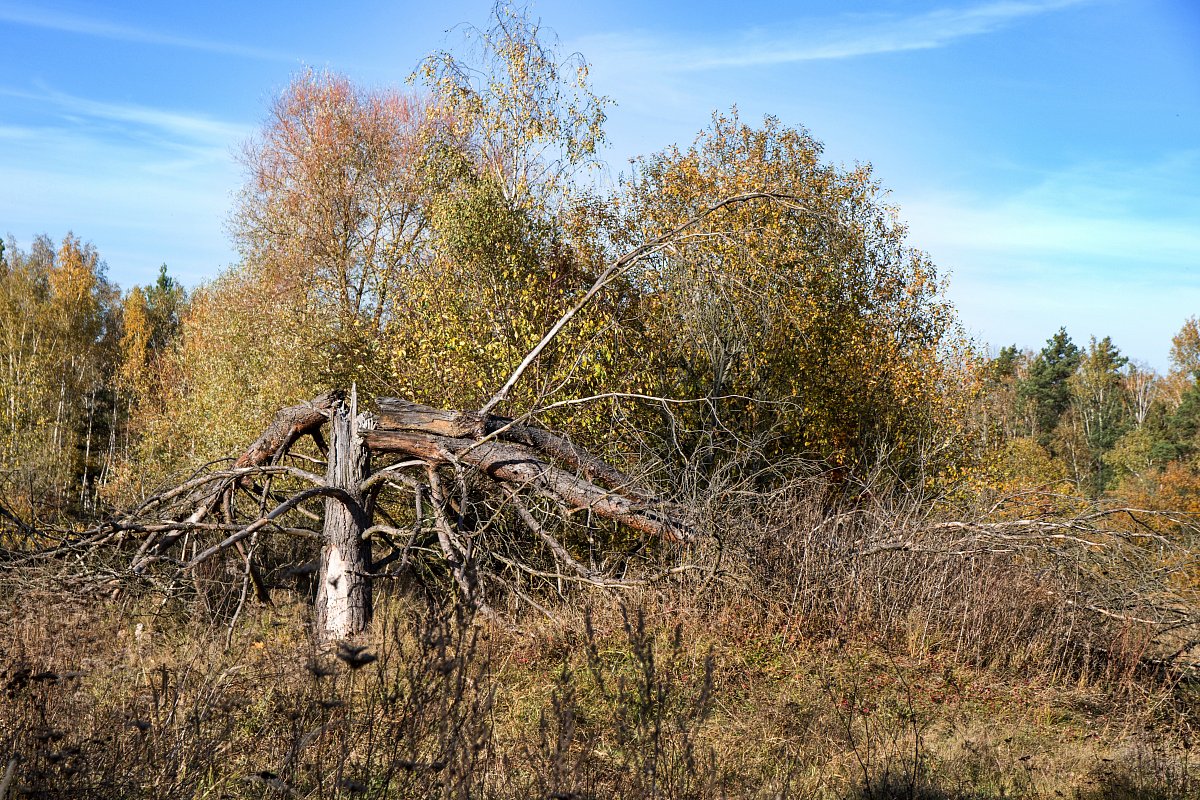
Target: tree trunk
(344, 595)
(522, 467)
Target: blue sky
(1045, 152)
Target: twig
(611, 273)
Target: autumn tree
(1142, 390)
(808, 320)
(1002, 417)
(516, 123)
(58, 322)
(331, 224)
(1185, 348)
(150, 324)
(332, 219)
(520, 111)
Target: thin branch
(320, 491)
(611, 273)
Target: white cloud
(172, 125)
(118, 173)
(1097, 212)
(1101, 248)
(847, 36)
(90, 26)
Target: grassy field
(670, 692)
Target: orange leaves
(135, 338)
(331, 208)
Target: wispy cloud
(91, 26)
(1097, 213)
(121, 173)
(1102, 248)
(166, 126)
(820, 39)
(863, 35)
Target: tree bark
(522, 467)
(343, 607)
(288, 425)
(405, 415)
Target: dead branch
(281, 509)
(520, 467)
(288, 425)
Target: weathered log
(405, 415)
(288, 425)
(398, 414)
(520, 466)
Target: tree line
(1090, 421)
(419, 242)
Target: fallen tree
(437, 449)
(517, 460)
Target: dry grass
(817, 660)
(648, 697)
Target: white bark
(344, 594)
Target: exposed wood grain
(404, 415)
(520, 466)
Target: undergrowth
(813, 660)
(633, 696)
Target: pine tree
(1046, 391)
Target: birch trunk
(343, 607)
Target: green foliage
(1004, 365)
(1183, 424)
(1098, 400)
(808, 319)
(1046, 389)
(1134, 455)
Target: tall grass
(830, 648)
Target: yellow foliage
(810, 315)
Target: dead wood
(289, 425)
(519, 466)
(517, 458)
(343, 606)
(286, 427)
(405, 415)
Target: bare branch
(320, 491)
(611, 273)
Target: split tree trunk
(343, 606)
(521, 456)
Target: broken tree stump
(343, 606)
